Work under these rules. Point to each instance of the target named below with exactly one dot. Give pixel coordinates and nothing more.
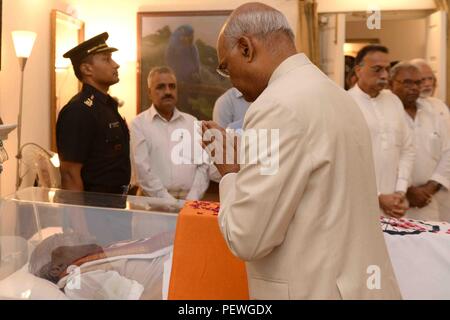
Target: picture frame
(1, 22)
(66, 32)
(186, 42)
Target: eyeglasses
(379, 69)
(222, 68)
(410, 83)
(223, 71)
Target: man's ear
(86, 69)
(357, 70)
(246, 48)
(149, 93)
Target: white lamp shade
(23, 42)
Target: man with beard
(392, 139)
(152, 138)
(431, 173)
(428, 86)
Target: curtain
(308, 30)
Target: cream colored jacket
(310, 231)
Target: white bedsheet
(24, 285)
(420, 255)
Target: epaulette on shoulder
(89, 101)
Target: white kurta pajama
(432, 142)
(443, 196)
(392, 139)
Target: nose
(167, 90)
(116, 65)
(415, 88)
(384, 74)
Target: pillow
(24, 285)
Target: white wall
(363, 5)
(118, 18)
(406, 39)
(27, 15)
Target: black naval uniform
(91, 131)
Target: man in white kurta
(392, 139)
(427, 89)
(431, 173)
(159, 131)
(307, 230)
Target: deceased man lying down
(125, 270)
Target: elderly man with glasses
(392, 139)
(431, 171)
(306, 230)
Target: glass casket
(58, 244)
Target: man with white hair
(428, 86)
(154, 137)
(308, 230)
(432, 126)
(392, 139)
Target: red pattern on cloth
(413, 226)
(205, 207)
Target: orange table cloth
(203, 267)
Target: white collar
(293, 62)
(153, 113)
(360, 92)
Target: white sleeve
(222, 112)
(254, 214)
(146, 178)
(407, 156)
(442, 172)
(200, 184)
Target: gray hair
(419, 62)
(258, 23)
(158, 70)
(401, 66)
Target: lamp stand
(22, 63)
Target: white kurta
(392, 139)
(443, 196)
(440, 107)
(152, 144)
(432, 141)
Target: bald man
(310, 229)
